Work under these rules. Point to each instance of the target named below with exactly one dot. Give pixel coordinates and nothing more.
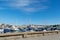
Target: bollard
(57, 32)
(23, 36)
(43, 33)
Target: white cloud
(1, 8)
(29, 9)
(27, 5)
(45, 0)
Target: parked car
(7, 30)
(21, 30)
(39, 29)
(53, 28)
(28, 29)
(1, 30)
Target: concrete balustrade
(23, 34)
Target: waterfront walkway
(47, 37)
(23, 34)
(50, 36)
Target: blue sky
(19, 12)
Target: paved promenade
(34, 37)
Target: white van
(1, 30)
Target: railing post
(57, 32)
(43, 33)
(23, 36)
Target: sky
(19, 12)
